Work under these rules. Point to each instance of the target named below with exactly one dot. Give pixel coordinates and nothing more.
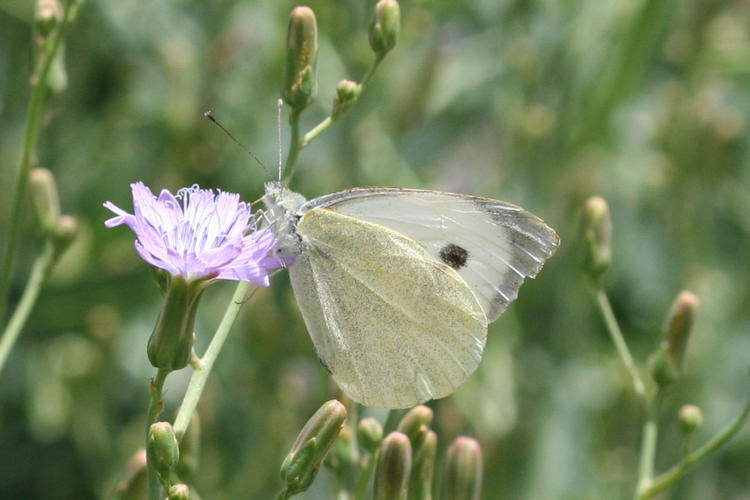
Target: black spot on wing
(454, 255)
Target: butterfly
(397, 286)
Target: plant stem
(28, 154)
(615, 334)
(665, 480)
(37, 277)
(294, 146)
(648, 444)
(203, 369)
(390, 421)
(316, 131)
(364, 478)
(155, 407)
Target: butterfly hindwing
(393, 325)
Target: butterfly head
(284, 208)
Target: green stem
(648, 445)
(31, 134)
(39, 272)
(294, 146)
(155, 406)
(619, 340)
(297, 143)
(391, 420)
(203, 369)
(316, 131)
(665, 480)
(364, 478)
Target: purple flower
(198, 235)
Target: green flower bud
(300, 79)
(313, 442)
(393, 467)
(47, 15)
(64, 233)
(171, 342)
(690, 418)
(44, 198)
(463, 470)
(596, 229)
(662, 368)
(190, 449)
(369, 434)
(162, 450)
(179, 491)
(411, 423)
(385, 27)
(342, 454)
(423, 465)
(679, 323)
(666, 362)
(347, 93)
(134, 481)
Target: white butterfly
(397, 286)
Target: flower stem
(203, 369)
(297, 144)
(648, 444)
(37, 277)
(294, 146)
(360, 493)
(155, 407)
(28, 154)
(665, 480)
(602, 302)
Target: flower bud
(64, 233)
(347, 93)
(463, 470)
(133, 483)
(385, 26)
(313, 442)
(690, 418)
(301, 59)
(44, 198)
(662, 368)
(190, 449)
(162, 449)
(411, 423)
(596, 229)
(171, 342)
(47, 15)
(423, 464)
(369, 433)
(679, 323)
(179, 491)
(393, 467)
(342, 454)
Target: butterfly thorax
(284, 207)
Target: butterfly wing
(394, 326)
(493, 245)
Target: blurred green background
(540, 103)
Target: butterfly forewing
(493, 245)
(394, 326)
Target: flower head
(198, 235)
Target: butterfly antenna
(279, 107)
(208, 114)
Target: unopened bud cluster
(61, 229)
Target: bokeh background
(540, 103)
